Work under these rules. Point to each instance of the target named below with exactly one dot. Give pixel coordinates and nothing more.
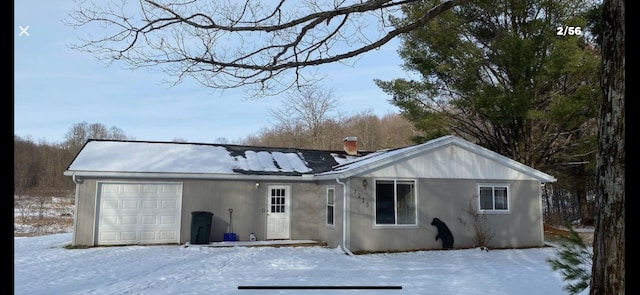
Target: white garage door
(138, 213)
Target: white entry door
(278, 204)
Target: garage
(138, 213)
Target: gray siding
(443, 198)
(453, 162)
(448, 200)
(331, 235)
(307, 216)
(84, 221)
(218, 196)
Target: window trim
(395, 208)
(493, 186)
(333, 207)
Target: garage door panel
(108, 236)
(150, 189)
(149, 219)
(127, 190)
(129, 204)
(167, 235)
(109, 204)
(168, 220)
(171, 190)
(129, 220)
(149, 204)
(110, 189)
(169, 204)
(109, 220)
(128, 237)
(135, 213)
(148, 236)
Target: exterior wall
(250, 208)
(448, 200)
(84, 220)
(332, 235)
(218, 196)
(451, 162)
(307, 214)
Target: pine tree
(574, 260)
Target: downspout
(345, 198)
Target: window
(494, 198)
(277, 200)
(396, 202)
(330, 205)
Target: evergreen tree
(497, 73)
(573, 260)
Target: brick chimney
(351, 145)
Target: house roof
(129, 158)
(383, 158)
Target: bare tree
(366, 127)
(373, 133)
(24, 207)
(305, 112)
(228, 44)
(79, 133)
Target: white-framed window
(331, 199)
(396, 202)
(493, 198)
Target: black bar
(320, 287)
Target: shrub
(478, 223)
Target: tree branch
(233, 44)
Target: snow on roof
(112, 156)
(132, 156)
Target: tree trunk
(608, 272)
(586, 218)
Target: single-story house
(141, 192)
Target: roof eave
(435, 144)
(388, 160)
(157, 175)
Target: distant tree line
(38, 166)
(311, 118)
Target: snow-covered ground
(42, 265)
(34, 215)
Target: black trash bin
(200, 227)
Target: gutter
(345, 197)
(75, 180)
(179, 175)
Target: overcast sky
(56, 87)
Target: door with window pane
(278, 204)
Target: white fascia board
(436, 144)
(98, 174)
(385, 159)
